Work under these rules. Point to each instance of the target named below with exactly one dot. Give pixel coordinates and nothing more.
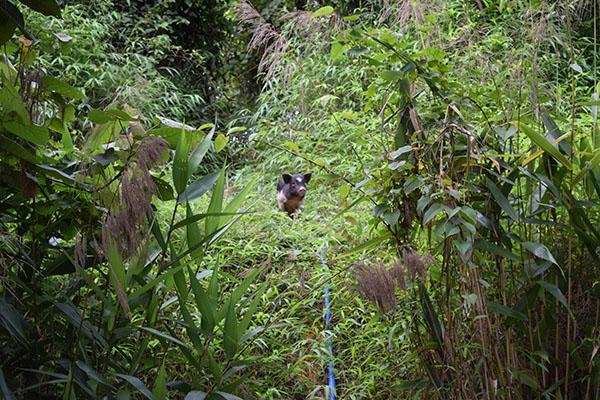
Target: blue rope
(330, 370)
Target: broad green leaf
(175, 124)
(163, 335)
(292, 146)
(498, 308)
(502, 201)
(196, 395)
(160, 239)
(138, 384)
(391, 75)
(13, 322)
(46, 7)
(12, 102)
(196, 189)
(344, 191)
(539, 250)
(337, 51)
(193, 235)
(432, 321)
(199, 153)
(230, 330)
(545, 145)
(160, 384)
(236, 129)
(180, 164)
(92, 373)
(484, 245)
(203, 303)
(190, 324)
(34, 134)
(156, 281)
(397, 153)
(327, 10)
(557, 294)
(7, 27)
(67, 141)
(525, 377)
(211, 223)
(555, 133)
(181, 285)
(215, 369)
(64, 89)
(116, 263)
(232, 207)
(6, 392)
(251, 310)
(12, 16)
(431, 212)
(220, 142)
(75, 319)
(98, 116)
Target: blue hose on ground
(330, 370)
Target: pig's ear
(307, 178)
(287, 178)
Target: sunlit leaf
(327, 10)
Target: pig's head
(296, 184)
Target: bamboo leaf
(545, 145)
(557, 294)
(203, 303)
(212, 223)
(539, 250)
(230, 330)
(197, 189)
(363, 246)
(199, 153)
(501, 309)
(502, 201)
(160, 384)
(432, 321)
(163, 335)
(180, 164)
(138, 384)
(193, 235)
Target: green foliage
(454, 149)
(82, 280)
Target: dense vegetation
(453, 210)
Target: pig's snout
(302, 191)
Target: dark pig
(290, 192)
